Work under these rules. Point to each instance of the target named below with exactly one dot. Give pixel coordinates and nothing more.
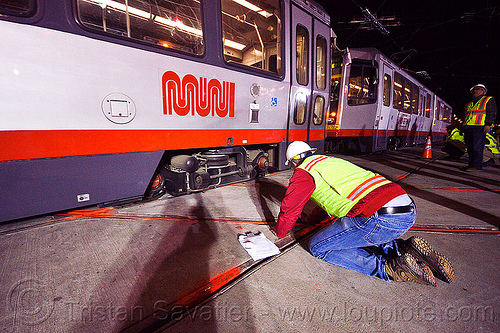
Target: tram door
(309, 79)
(386, 118)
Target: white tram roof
(315, 9)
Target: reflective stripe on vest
(476, 112)
(366, 186)
(313, 162)
(339, 183)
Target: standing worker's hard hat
(297, 149)
(479, 85)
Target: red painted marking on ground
(98, 212)
(208, 288)
(456, 230)
(459, 189)
(186, 219)
(108, 213)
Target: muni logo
(190, 95)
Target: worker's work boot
(423, 252)
(406, 268)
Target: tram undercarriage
(194, 172)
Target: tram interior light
(122, 7)
(253, 7)
(233, 44)
(177, 22)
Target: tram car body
(106, 100)
(376, 105)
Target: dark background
(456, 42)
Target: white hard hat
(479, 85)
(297, 148)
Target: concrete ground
(175, 264)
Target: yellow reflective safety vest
(475, 113)
(456, 139)
(339, 183)
(492, 144)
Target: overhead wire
(386, 34)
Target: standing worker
(372, 212)
(480, 113)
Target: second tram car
(376, 105)
(106, 100)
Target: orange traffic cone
(427, 153)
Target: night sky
(456, 42)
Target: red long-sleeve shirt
(298, 193)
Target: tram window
(302, 55)
(319, 105)
(18, 7)
(362, 85)
(172, 24)
(251, 32)
(428, 106)
(321, 56)
(447, 113)
(442, 112)
(387, 89)
(414, 98)
(397, 101)
(299, 116)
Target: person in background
(372, 213)
(480, 114)
(495, 132)
(491, 151)
(454, 145)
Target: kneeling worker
(454, 144)
(372, 213)
(491, 151)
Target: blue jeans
(362, 244)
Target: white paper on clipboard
(258, 246)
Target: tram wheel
(157, 186)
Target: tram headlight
(331, 118)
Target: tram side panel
(442, 118)
(88, 121)
(371, 112)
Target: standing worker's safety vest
(491, 144)
(475, 114)
(339, 184)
